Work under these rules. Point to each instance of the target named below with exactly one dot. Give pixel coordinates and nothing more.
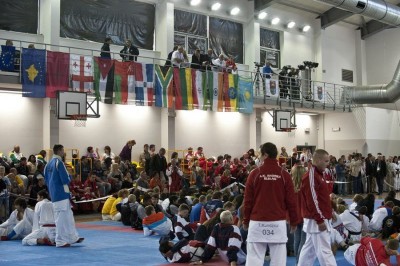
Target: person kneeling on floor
(44, 227)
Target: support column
(168, 128)
(255, 129)
(252, 43)
(164, 28)
(49, 22)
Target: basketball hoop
(288, 129)
(79, 120)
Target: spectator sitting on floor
(156, 223)
(105, 211)
(183, 228)
(114, 213)
(181, 252)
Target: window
(270, 47)
(190, 31)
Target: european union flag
(33, 73)
(245, 95)
(7, 58)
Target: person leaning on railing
(105, 49)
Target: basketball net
(79, 120)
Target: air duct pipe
(376, 93)
(375, 9)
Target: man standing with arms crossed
(269, 196)
(57, 180)
(317, 213)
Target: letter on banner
(272, 88)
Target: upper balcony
(286, 90)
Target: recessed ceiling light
(194, 2)
(275, 21)
(262, 15)
(306, 28)
(291, 24)
(235, 11)
(215, 6)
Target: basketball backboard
(71, 103)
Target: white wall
(338, 52)
(383, 55)
(297, 48)
(291, 139)
(21, 123)
(217, 133)
(117, 125)
(351, 134)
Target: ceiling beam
(333, 16)
(373, 27)
(262, 4)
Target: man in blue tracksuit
(57, 181)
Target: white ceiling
(313, 8)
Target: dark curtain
(119, 19)
(226, 37)
(192, 23)
(269, 39)
(19, 15)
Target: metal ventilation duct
(376, 93)
(375, 9)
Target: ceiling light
(262, 15)
(215, 6)
(291, 24)
(275, 21)
(235, 11)
(194, 2)
(306, 28)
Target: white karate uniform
(43, 224)
(65, 230)
(317, 245)
(352, 224)
(22, 228)
(377, 219)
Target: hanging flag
(272, 88)
(319, 91)
(183, 88)
(33, 73)
(81, 70)
(57, 78)
(124, 82)
(215, 90)
(104, 79)
(144, 84)
(198, 78)
(230, 92)
(245, 95)
(7, 58)
(163, 88)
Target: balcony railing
(288, 91)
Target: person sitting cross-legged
(19, 224)
(227, 239)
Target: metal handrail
(298, 93)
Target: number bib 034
(269, 232)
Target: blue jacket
(57, 179)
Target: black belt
(354, 233)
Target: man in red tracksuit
(317, 213)
(269, 196)
(372, 252)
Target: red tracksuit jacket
(372, 253)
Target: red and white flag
(81, 70)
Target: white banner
(272, 88)
(319, 92)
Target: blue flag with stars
(7, 58)
(33, 72)
(245, 95)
